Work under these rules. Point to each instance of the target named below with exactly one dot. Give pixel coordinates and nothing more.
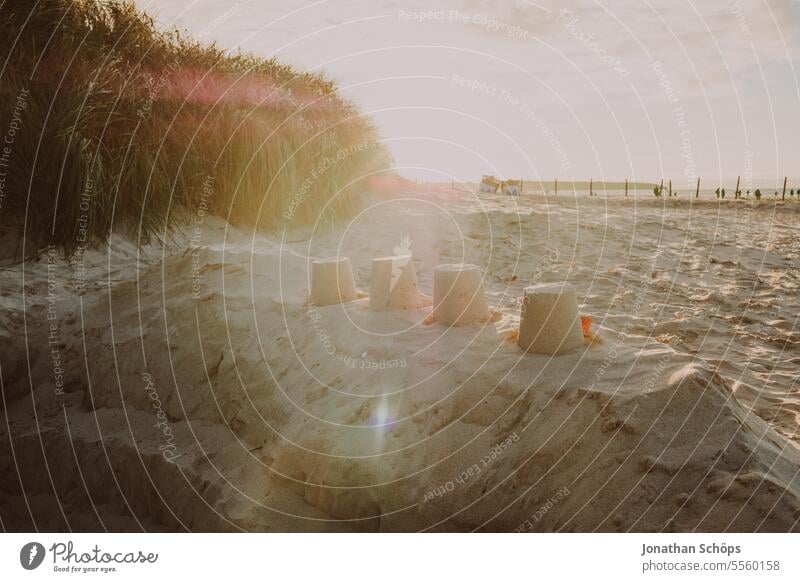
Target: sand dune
(201, 391)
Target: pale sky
(642, 89)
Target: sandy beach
(193, 386)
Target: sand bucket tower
(393, 284)
(458, 296)
(332, 281)
(549, 322)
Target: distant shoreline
(531, 186)
(637, 193)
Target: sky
(637, 89)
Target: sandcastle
(393, 284)
(332, 281)
(458, 295)
(549, 322)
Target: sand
(190, 385)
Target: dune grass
(116, 126)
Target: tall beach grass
(111, 125)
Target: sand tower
(332, 281)
(393, 284)
(549, 322)
(458, 295)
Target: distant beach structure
(512, 187)
(491, 185)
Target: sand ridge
(285, 416)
